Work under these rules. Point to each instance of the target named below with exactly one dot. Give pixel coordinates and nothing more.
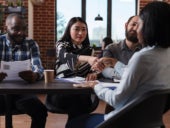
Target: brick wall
(44, 28)
(144, 2)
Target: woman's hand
(98, 66)
(102, 63)
(92, 60)
(86, 84)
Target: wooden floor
(59, 120)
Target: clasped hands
(97, 66)
(28, 76)
(102, 63)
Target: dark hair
(130, 19)
(107, 41)
(156, 24)
(67, 36)
(10, 16)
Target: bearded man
(123, 50)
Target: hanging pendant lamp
(98, 18)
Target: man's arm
(115, 72)
(36, 61)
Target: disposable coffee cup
(48, 75)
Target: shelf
(19, 9)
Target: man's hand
(28, 76)
(102, 63)
(98, 66)
(2, 76)
(108, 62)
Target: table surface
(40, 87)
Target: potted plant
(19, 3)
(15, 6)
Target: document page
(12, 68)
(80, 82)
(75, 79)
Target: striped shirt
(67, 60)
(27, 50)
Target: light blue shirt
(115, 72)
(148, 69)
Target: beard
(131, 36)
(17, 39)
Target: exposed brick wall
(44, 30)
(144, 2)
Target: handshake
(99, 64)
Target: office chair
(145, 111)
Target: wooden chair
(145, 111)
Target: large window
(66, 9)
(97, 29)
(120, 10)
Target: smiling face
(78, 32)
(16, 28)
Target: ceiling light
(98, 18)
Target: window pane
(66, 9)
(97, 29)
(121, 11)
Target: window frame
(109, 15)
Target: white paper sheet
(75, 79)
(82, 83)
(12, 68)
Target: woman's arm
(90, 59)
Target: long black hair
(156, 24)
(67, 37)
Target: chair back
(145, 111)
